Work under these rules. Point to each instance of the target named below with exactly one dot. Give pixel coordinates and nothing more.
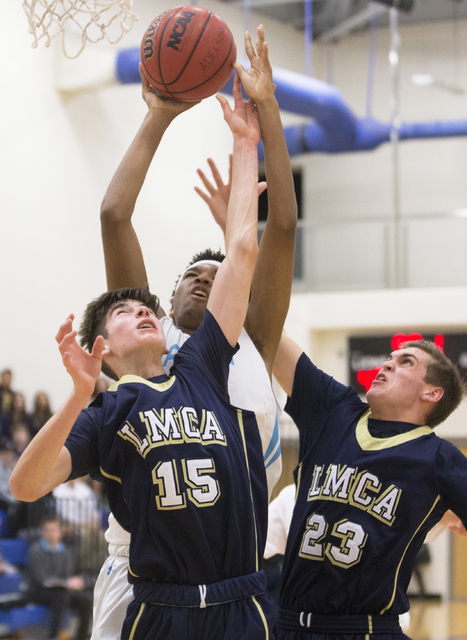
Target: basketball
(187, 53)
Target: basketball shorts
(233, 609)
(292, 625)
(112, 595)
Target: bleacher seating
(90, 549)
(14, 613)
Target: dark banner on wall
(368, 353)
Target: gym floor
(436, 620)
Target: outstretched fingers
(216, 176)
(249, 48)
(237, 92)
(65, 329)
(227, 111)
(261, 45)
(215, 173)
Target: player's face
(192, 295)
(400, 382)
(133, 327)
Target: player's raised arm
(228, 301)
(46, 463)
(124, 263)
(272, 280)
(285, 362)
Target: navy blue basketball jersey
(368, 492)
(183, 468)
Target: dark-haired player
(182, 466)
(372, 480)
(249, 376)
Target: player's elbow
(111, 213)
(22, 489)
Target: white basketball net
(94, 20)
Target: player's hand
(83, 367)
(217, 197)
(257, 82)
(156, 102)
(244, 119)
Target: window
(263, 214)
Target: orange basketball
(187, 53)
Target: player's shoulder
(449, 451)
(313, 381)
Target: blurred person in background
(52, 581)
(41, 411)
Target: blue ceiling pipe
(335, 128)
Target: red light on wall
(439, 342)
(366, 376)
(400, 338)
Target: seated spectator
(17, 417)
(6, 392)
(20, 438)
(19, 414)
(41, 411)
(8, 460)
(51, 580)
(6, 403)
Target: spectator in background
(20, 438)
(6, 402)
(18, 416)
(6, 392)
(41, 411)
(51, 580)
(8, 460)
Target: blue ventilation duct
(335, 128)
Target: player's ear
(106, 349)
(433, 394)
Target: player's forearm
(282, 204)
(242, 216)
(272, 280)
(124, 262)
(121, 195)
(229, 299)
(42, 466)
(285, 363)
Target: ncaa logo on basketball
(148, 46)
(179, 29)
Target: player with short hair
(249, 375)
(182, 466)
(372, 480)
